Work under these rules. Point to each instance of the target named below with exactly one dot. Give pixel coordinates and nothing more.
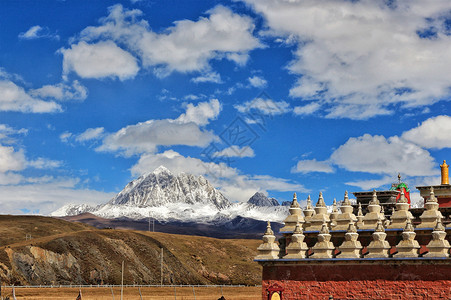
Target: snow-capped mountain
(161, 187)
(73, 210)
(167, 197)
(260, 199)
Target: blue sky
(271, 96)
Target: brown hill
(62, 252)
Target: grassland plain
(62, 252)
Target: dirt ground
(147, 293)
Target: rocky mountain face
(260, 199)
(166, 197)
(162, 187)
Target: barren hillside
(61, 252)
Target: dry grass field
(148, 293)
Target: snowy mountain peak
(162, 187)
(183, 197)
(260, 199)
(161, 169)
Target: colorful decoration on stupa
(401, 187)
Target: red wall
(444, 202)
(360, 281)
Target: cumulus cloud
(257, 81)
(234, 185)
(100, 60)
(312, 165)
(11, 160)
(371, 183)
(185, 47)
(37, 32)
(365, 58)
(208, 77)
(235, 151)
(44, 163)
(15, 98)
(6, 131)
(307, 109)
(87, 135)
(62, 91)
(265, 106)
(47, 196)
(434, 133)
(202, 113)
(379, 155)
(145, 137)
(65, 136)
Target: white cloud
(202, 113)
(15, 98)
(209, 77)
(89, 134)
(312, 165)
(10, 178)
(192, 97)
(43, 163)
(235, 151)
(365, 58)
(185, 47)
(145, 137)
(371, 183)
(235, 186)
(36, 32)
(434, 133)
(43, 198)
(62, 91)
(265, 106)
(6, 131)
(11, 160)
(378, 155)
(100, 60)
(257, 81)
(65, 136)
(307, 109)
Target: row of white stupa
(351, 247)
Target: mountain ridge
(184, 197)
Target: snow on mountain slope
(260, 199)
(72, 210)
(184, 197)
(161, 187)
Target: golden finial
(444, 170)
